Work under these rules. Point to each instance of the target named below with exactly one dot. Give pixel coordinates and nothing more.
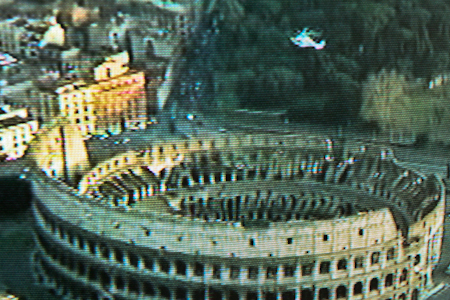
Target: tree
(231, 10)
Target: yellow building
(16, 131)
(114, 101)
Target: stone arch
(134, 286)
(389, 280)
(119, 283)
(404, 275)
(164, 292)
(341, 292)
(164, 265)
(358, 288)
(373, 284)
(148, 288)
(105, 279)
(324, 294)
(415, 294)
(342, 264)
(150, 51)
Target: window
(289, 241)
(164, 265)
(272, 272)
(342, 264)
(325, 237)
(373, 284)
(417, 259)
(216, 272)
(234, 272)
(341, 292)
(390, 254)
(199, 269)
(361, 232)
(324, 267)
(357, 288)
(307, 269)
(375, 259)
(359, 262)
(181, 267)
(404, 275)
(289, 271)
(253, 273)
(389, 281)
(251, 242)
(324, 294)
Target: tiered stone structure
(239, 216)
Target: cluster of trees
(401, 106)
(376, 49)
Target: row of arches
(183, 268)
(152, 288)
(301, 206)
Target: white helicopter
(305, 39)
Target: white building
(16, 131)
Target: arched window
(415, 295)
(389, 281)
(404, 275)
(373, 284)
(324, 294)
(375, 258)
(341, 292)
(357, 288)
(342, 264)
(417, 259)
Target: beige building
(16, 131)
(113, 101)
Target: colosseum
(232, 215)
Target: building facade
(239, 216)
(114, 101)
(16, 131)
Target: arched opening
(404, 275)
(150, 49)
(342, 264)
(199, 294)
(373, 284)
(120, 283)
(105, 279)
(181, 267)
(181, 294)
(375, 258)
(164, 292)
(148, 288)
(270, 296)
(199, 269)
(164, 265)
(133, 286)
(341, 292)
(215, 294)
(357, 288)
(307, 294)
(324, 294)
(417, 259)
(415, 295)
(389, 281)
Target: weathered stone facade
(239, 216)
